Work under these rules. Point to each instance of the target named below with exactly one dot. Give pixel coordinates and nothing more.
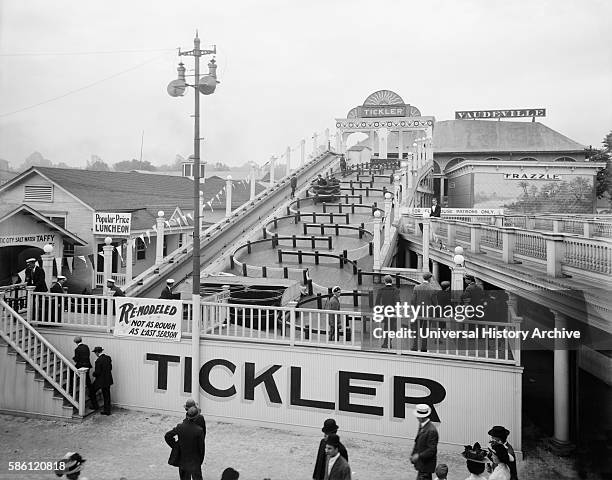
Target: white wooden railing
(56, 369)
(343, 329)
(560, 252)
(119, 279)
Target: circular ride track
(326, 238)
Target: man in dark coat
(293, 183)
(435, 210)
(199, 419)
(191, 445)
(425, 449)
(473, 294)
(35, 276)
(117, 292)
(423, 295)
(329, 428)
(385, 297)
(167, 293)
(336, 467)
(57, 287)
(82, 360)
(104, 378)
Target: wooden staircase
(35, 378)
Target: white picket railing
(570, 251)
(56, 369)
(119, 279)
(344, 329)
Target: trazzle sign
(344, 389)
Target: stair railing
(56, 369)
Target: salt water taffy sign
(148, 318)
(108, 223)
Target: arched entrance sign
(384, 114)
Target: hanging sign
(519, 113)
(118, 224)
(148, 318)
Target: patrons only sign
(113, 224)
(148, 318)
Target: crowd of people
(187, 442)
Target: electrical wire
(102, 52)
(80, 89)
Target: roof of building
(131, 191)
(50, 224)
(454, 136)
(358, 147)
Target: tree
(36, 159)
(97, 164)
(603, 182)
(177, 166)
(134, 164)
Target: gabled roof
(131, 191)
(51, 225)
(472, 136)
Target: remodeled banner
(148, 318)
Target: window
(38, 193)
(188, 170)
(165, 249)
(528, 159)
(68, 249)
(564, 159)
(61, 221)
(180, 240)
(140, 249)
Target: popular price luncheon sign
(147, 318)
(106, 223)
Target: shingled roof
(471, 136)
(123, 191)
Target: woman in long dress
(499, 457)
(476, 458)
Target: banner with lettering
(113, 224)
(34, 239)
(457, 211)
(148, 318)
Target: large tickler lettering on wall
(348, 391)
(147, 318)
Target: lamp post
(206, 86)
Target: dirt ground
(130, 444)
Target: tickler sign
(351, 396)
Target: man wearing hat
(499, 434)
(388, 296)
(336, 466)
(167, 293)
(57, 287)
(329, 428)
(473, 293)
(425, 449)
(103, 378)
(190, 440)
(117, 292)
(35, 276)
(71, 465)
(82, 360)
(199, 419)
(424, 295)
(334, 325)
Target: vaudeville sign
(148, 318)
(113, 224)
(516, 113)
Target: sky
(88, 78)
